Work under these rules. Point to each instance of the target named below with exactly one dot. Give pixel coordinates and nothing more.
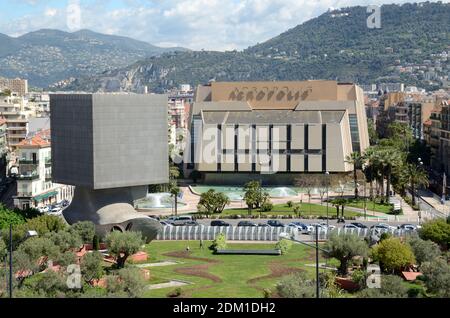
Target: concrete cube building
(111, 147)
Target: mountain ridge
(45, 56)
(337, 45)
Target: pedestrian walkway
(433, 200)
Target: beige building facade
(277, 129)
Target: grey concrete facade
(109, 140)
(111, 147)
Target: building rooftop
(40, 140)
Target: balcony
(28, 162)
(48, 161)
(48, 177)
(29, 176)
(24, 194)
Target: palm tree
(417, 177)
(174, 190)
(370, 168)
(389, 158)
(356, 160)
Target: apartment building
(18, 87)
(239, 129)
(34, 181)
(444, 147)
(12, 109)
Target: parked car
(330, 227)
(383, 227)
(324, 227)
(360, 225)
(43, 209)
(407, 227)
(163, 223)
(192, 223)
(65, 203)
(389, 226)
(180, 220)
(55, 211)
(246, 223)
(275, 223)
(302, 227)
(263, 225)
(351, 226)
(340, 220)
(219, 223)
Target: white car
(330, 227)
(393, 228)
(43, 209)
(350, 226)
(55, 211)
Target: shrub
(95, 243)
(385, 236)
(391, 287)
(290, 204)
(416, 291)
(266, 207)
(127, 282)
(296, 286)
(393, 255)
(267, 293)
(284, 246)
(359, 277)
(175, 293)
(219, 243)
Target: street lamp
(27, 236)
(328, 181)
(316, 246)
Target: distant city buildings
(17, 87)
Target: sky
(196, 24)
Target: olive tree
(437, 277)
(424, 250)
(127, 282)
(344, 247)
(212, 202)
(122, 245)
(85, 230)
(92, 266)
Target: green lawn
(370, 205)
(283, 209)
(224, 276)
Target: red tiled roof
(411, 276)
(40, 140)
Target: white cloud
(196, 24)
(50, 12)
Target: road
(308, 221)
